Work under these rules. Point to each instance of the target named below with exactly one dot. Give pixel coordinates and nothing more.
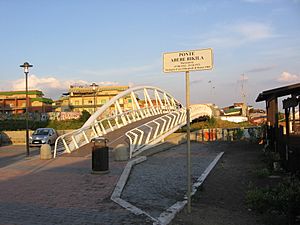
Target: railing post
(86, 138)
(75, 142)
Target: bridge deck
(115, 137)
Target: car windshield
(41, 132)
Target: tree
(85, 115)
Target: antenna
(243, 96)
(243, 93)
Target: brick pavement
(63, 190)
(60, 191)
(13, 153)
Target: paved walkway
(13, 153)
(63, 190)
(161, 181)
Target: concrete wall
(19, 137)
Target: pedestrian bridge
(149, 114)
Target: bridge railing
(75, 139)
(147, 135)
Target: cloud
(196, 81)
(35, 82)
(54, 87)
(51, 86)
(235, 35)
(287, 77)
(252, 31)
(260, 69)
(131, 84)
(45, 83)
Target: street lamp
(26, 66)
(94, 86)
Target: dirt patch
(221, 199)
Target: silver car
(43, 136)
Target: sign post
(188, 137)
(186, 61)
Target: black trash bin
(100, 157)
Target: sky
(256, 45)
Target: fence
(229, 134)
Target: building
(14, 102)
(81, 98)
(236, 113)
(284, 138)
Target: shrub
(212, 122)
(283, 198)
(20, 124)
(238, 134)
(13, 124)
(65, 124)
(261, 173)
(256, 199)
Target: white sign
(188, 60)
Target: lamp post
(26, 66)
(94, 86)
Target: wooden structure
(284, 139)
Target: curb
(116, 195)
(166, 216)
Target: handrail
(101, 124)
(149, 134)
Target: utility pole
(243, 95)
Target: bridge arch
(163, 99)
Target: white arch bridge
(141, 116)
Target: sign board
(192, 60)
(290, 102)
